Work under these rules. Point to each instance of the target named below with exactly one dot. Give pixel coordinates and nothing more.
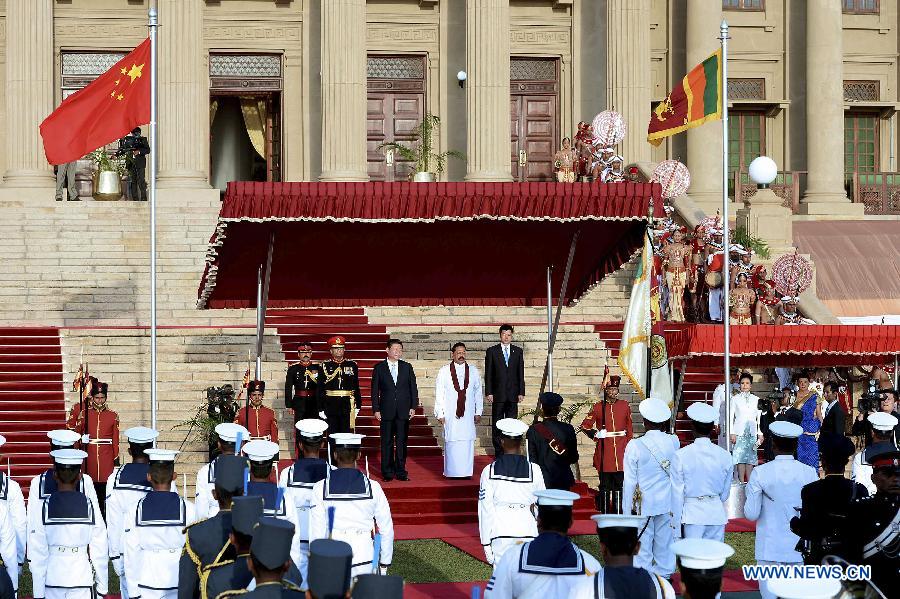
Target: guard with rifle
(99, 432)
(553, 445)
(260, 420)
(609, 424)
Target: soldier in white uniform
(154, 532)
(125, 487)
(620, 576)
(67, 550)
(773, 498)
(507, 493)
(262, 455)
(11, 495)
(359, 502)
(701, 563)
(9, 563)
(549, 566)
(298, 481)
(205, 504)
(883, 425)
(647, 489)
(701, 478)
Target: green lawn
(741, 542)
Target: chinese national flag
(104, 111)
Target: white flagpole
(726, 239)
(154, 53)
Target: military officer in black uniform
(873, 525)
(338, 392)
(553, 445)
(269, 560)
(300, 387)
(207, 541)
(825, 503)
(233, 574)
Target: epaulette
(189, 551)
(290, 586)
(235, 593)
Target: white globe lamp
(763, 171)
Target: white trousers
(459, 458)
(715, 303)
(764, 591)
(656, 553)
(57, 593)
(716, 532)
(784, 377)
(500, 546)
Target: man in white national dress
(458, 403)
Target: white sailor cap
(311, 428)
(161, 455)
(228, 432)
(346, 439)
(68, 457)
(63, 437)
(804, 588)
(141, 434)
(700, 411)
(654, 410)
(882, 421)
(702, 554)
(512, 427)
(785, 429)
(790, 299)
(2, 440)
(619, 521)
(260, 450)
(556, 497)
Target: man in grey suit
(504, 381)
(395, 397)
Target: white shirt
(701, 477)
(205, 504)
(506, 351)
(508, 582)
(458, 429)
(11, 494)
(773, 498)
(651, 471)
(504, 506)
(393, 368)
(120, 502)
(745, 411)
(36, 496)
(862, 473)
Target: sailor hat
(260, 450)
(804, 588)
(556, 497)
(785, 429)
(619, 521)
(228, 432)
(68, 457)
(311, 428)
(654, 410)
(512, 427)
(63, 437)
(346, 440)
(702, 554)
(702, 412)
(882, 421)
(161, 455)
(2, 440)
(141, 434)
(330, 562)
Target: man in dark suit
(504, 381)
(135, 148)
(395, 398)
(834, 418)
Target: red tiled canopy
(419, 244)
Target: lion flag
(696, 100)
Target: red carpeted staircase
(31, 398)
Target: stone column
(344, 91)
(628, 72)
(29, 90)
(704, 143)
(183, 96)
(825, 192)
(487, 90)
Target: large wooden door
(395, 106)
(534, 118)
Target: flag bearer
(99, 437)
(260, 420)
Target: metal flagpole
(154, 26)
(726, 278)
(550, 328)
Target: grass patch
(433, 560)
(741, 542)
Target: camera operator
(135, 149)
(883, 426)
(882, 400)
(220, 407)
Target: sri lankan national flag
(697, 99)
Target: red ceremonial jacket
(614, 417)
(261, 422)
(102, 426)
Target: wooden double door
(395, 107)
(534, 118)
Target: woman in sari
(808, 403)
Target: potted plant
(428, 164)
(108, 173)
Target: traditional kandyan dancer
(458, 403)
(676, 261)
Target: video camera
(220, 395)
(871, 400)
(126, 145)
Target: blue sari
(807, 445)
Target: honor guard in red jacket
(338, 392)
(260, 420)
(609, 424)
(100, 438)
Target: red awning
(802, 345)
(363, 244)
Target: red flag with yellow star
(104, 111)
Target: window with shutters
(860, 142)
(861, 7)
(743, 4)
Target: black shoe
(387, 478)
(403, 476)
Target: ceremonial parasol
(792, 274)
(609, 128)
(673, 176)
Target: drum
(714, 279)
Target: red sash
(460, 393)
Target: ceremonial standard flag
(636, 333)
(104, 111)
(697, 99)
